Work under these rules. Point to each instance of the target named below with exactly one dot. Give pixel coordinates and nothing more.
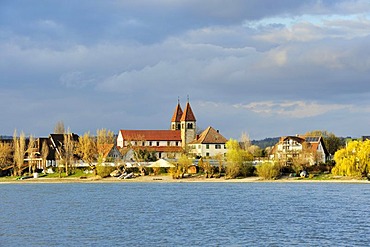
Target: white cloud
(292, 109)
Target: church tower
(188, 125)
(175, 121)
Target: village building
(171, 143)
(110, 152)
(308, 149)
(208, 144)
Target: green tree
(268, 170)
(236, 158)
(183, 164)
(353, 160)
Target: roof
(210, 136)
(188, 114)
(177, 114)
(151, 135)
(105, 148)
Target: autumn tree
(220, 159)
(183, 164)
(19, 152)
(86, 148)
(5, 154)
(104, 143)
(206, 166)
(353, 160)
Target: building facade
(165, 143)
(307, 149)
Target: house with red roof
(208, 144)
(309, 149)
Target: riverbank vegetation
(351, 160)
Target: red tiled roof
(210, 136)
(188, 114)
(177, 114)
(106, 148)
(151, 135)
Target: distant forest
(267, 142)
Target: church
(170, 143)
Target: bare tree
(68, 152)
(44, 154)
(31, 154)
(59, 128)
(19, 152)
(245, 141)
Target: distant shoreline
(168, 179)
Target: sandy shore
(169, 179)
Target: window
(218, 146)
(157, 143)
(168, 143)
(207, 154)
(177, 143)
(190, 125)
(150, 143)
(207, 146)
(199, 146)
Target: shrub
(268, 170)
(104, 171)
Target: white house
(309, 148)
(208, 144)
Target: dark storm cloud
(266, 67)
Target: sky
(263, 67)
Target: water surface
(185, 214)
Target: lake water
(185, 214)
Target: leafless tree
(19, 152)
(44, 154)
(59, 128)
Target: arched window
(190, 125)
